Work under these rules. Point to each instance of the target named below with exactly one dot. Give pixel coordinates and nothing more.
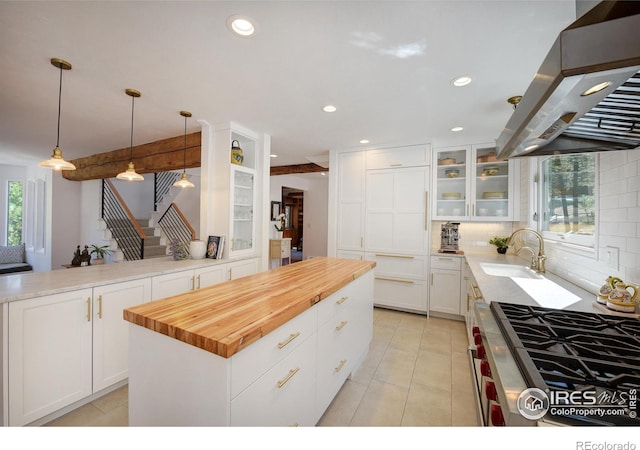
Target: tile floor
(416, 374)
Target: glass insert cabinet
(471, 184)
(243, 203)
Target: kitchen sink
(509, 270)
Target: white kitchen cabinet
(470, 184)
(50, 348)
(242, 268)
(243, 200)
(397, 210)
(68, 346)
(111, 332)
(175, 283)
(351, 198)
(407, 156)
(445, 285)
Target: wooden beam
(297, 168)
(160, 156)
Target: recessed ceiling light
(273, 155)
(461, 81)
(323, 174)
(364, 141)
(241, 25)
(329, 108)
(597, 88)
(454, 129)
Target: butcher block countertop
(225, 318)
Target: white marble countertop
(36, 284)
(565, 295)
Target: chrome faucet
(537, 261)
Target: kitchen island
(268, 349)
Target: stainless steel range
(557, 367)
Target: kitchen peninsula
(272, 348)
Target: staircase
(153, 247)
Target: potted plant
(501, 243)
(100, 251)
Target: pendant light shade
(183, 182)
(130, 174)
(57, 162)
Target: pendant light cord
(59, 107)
(185, 145)
(132, 106)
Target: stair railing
(123, 226)
(176, 227)
(162, 182)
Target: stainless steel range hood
(556, 115)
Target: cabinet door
(350, 227)
(49, 354)
(171, 284)
(239, 269)
(444, 291)
(491, 185)
(397, 215)
(111, 332)
(209, 276)
(451, 190)
(243, 200)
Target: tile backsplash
(474, 236)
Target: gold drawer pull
(342, 325)
(476, 296)
(341, 365)
(292, 372)
(291, 337)
(392, 255)
(399, 280)
(342, 300)
(100, 306)
(88, 309)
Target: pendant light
(130, 174)
(57, 162)
(183, 182)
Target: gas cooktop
(587, 363)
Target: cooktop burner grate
(559, 350)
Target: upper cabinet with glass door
(471, 184)
(243, 196)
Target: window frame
(586, 245)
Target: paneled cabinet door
(351, 179)
(49, 354)
(171, 284)
(444, 291)
(208, 276)
(111, 331)
(239, 269)
(396, 211)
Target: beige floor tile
(413, 321)
(427, 406)
(117, 417)
(344, 405)
(82, 416)
(463, 409)
(433, 369)
(436, 339)
(438, 322)
(382, 405)
(114, 400)
(407, 339)
(396, 367)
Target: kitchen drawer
(400, 293)
(256, 359)
(386, 158)
(399, 265)
(446, 262)
(338, 301)
(283, 396)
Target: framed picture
(275, 210)
(212, 247)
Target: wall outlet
(612, 257)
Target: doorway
(293, 208)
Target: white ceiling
(386, 65)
